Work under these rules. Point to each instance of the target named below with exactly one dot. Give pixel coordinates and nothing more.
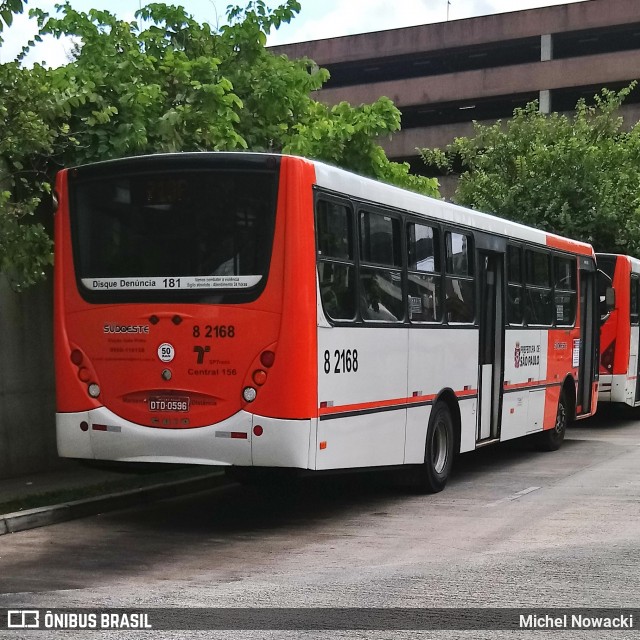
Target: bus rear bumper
(617, 388)
(100, 434)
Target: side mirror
(610, 299)
(607, 304)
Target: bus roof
(634, 263)
(367, 189)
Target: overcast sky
(318, 18)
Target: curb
(52, 514)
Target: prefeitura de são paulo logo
(526, 355)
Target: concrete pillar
(545, 101)
(546, 53)
(546, 47)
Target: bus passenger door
(491, 371)
(589, 337)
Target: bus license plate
(169, 403)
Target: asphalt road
(515, 527)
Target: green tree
(163, 83)
(575, 175)
(27, 139)
(7, 10)
(25, 246)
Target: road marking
(512, 497)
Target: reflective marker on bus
(261, 311)
(620, 334)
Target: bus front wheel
(551, 439)
(433, 474)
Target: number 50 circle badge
(166, 352)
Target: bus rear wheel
(432, 475)
(551, 439)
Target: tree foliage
(27, 140)
(575, 175)
(8, 8)
(161, 83)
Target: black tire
(551, 439)
(432, 475)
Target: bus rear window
(199, 231)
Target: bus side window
(539, 302)
(381, 297)
(459, 291)
(336, 266)
(564, 270)
(633, 300)
(424, 279)
(515, 288)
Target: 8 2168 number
(217, 331)
(343, 361)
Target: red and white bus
(620, 333)
(259, 310)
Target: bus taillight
(85, 372)
(259, 377)
(606, 360)
(267, 358)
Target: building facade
(444, 76)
